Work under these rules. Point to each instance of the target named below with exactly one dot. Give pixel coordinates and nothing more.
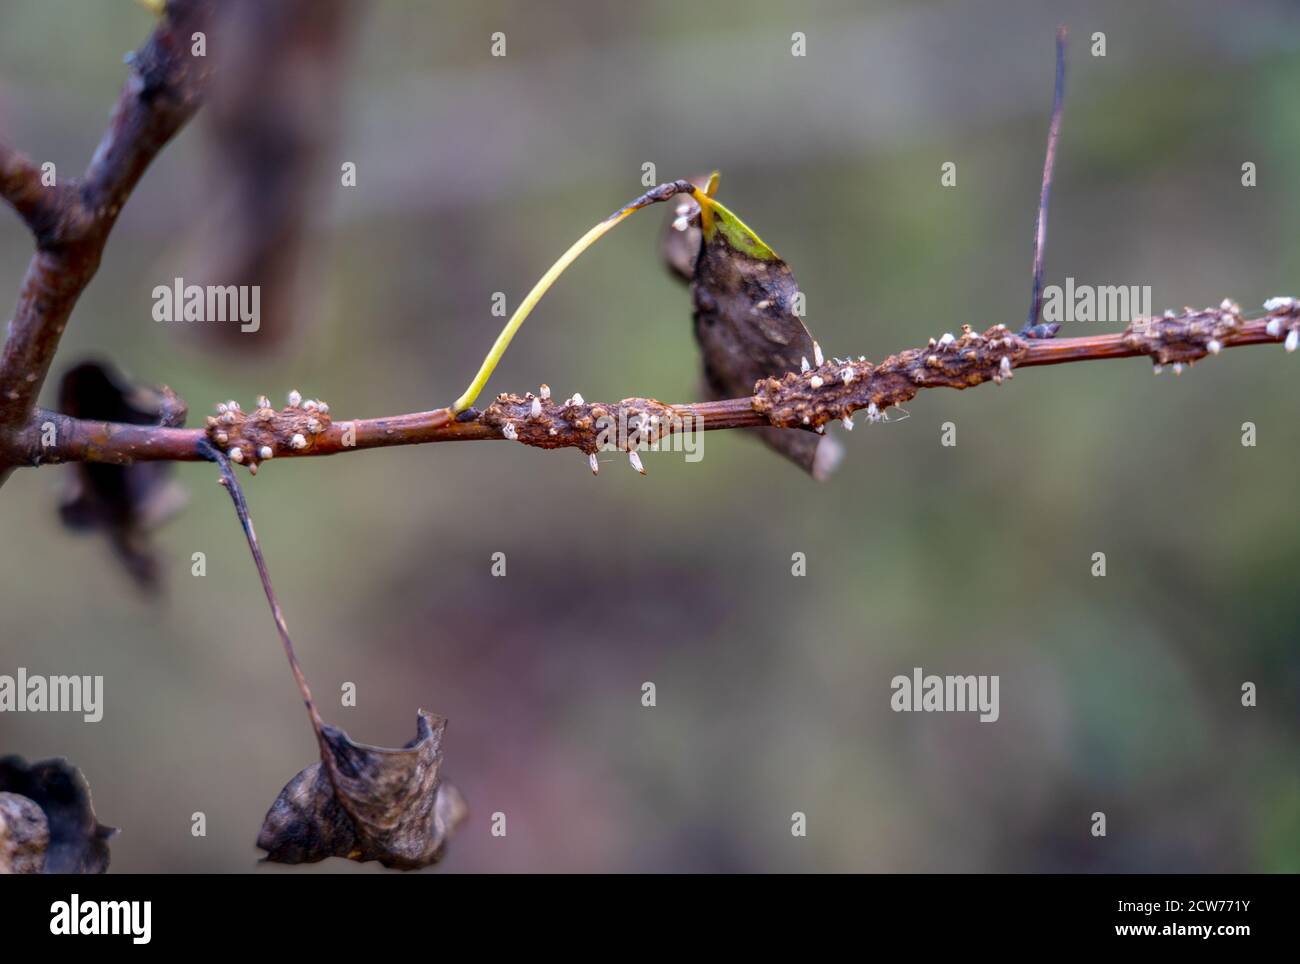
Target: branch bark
(796, 400)
(71, 221)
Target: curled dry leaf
(367, 803)
(24, 835)
(124, 501)
(745, 300)
(65, 838)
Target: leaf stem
(661, 193)
(231, 482)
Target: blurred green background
(1119, 694)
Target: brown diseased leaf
(367, 803)
(75, 842)
(24, 835)
(123, 501)
(744, 299)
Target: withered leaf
(744, 299)
(367, 803)
(123, 501)
(24, 835)
(77, 841)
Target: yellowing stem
(663, 192)
(529, 303)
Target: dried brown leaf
(745, 298)
(125, 502)
(367, 803)
(76, 842)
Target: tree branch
(71, 221)
(796, 400)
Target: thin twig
(1045, 196)
(231, 483)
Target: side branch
(72, 222)
(797, 400)
(20, 184)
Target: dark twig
(231, 482)
(1032, 327)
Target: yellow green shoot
(661, 193)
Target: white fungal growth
(309, 405)
(536, 409)
(1274, 327)
(636, 461)
(1273, 304)
(818, 359)
(1214, 346)
(298, 441)
(222, 407)
(847, 375)
(1004, 366)
(1292, 339)
(873, 413)
(848, 422)
(545, 392)
(1225, 304)
(681, 223)
(265, 452)
(578, 399)
(595, 466)
(322, 408)
(228, 417)
(295, 398)
(815, 381)
(1178, 368)
(314, 426)
(263, 401)
(803, 364)
(508, 430)
(946, 340)
(233, 406)
(236, 454)
(1156, 368)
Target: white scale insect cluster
(231, 427)
(1179, 341)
